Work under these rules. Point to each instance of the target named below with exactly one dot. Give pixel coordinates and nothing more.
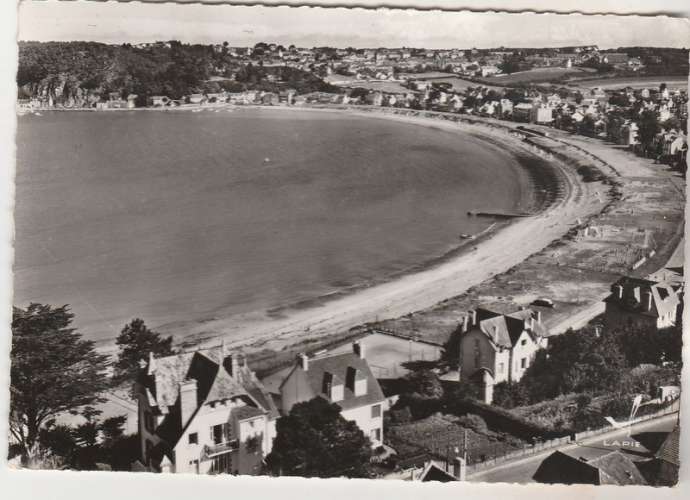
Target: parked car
(543, 302)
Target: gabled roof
(433, 472)
(670, 449)
(212, 372)
(604, 467)
(504, 330)
(338, 365)
(664, 297)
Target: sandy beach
(434, 290)
(494, 255)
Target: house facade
(498, 348)
(641, 303)
(203, 412)
(344, 379)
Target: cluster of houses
(206, 412)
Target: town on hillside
(632, 96)
(487, 388)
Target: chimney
(152, 364)
(358, 349)
(465, 322)
(459, 468)
(303, 361)
(234, 365)
(648, 301)
(474, 317)
(188, 400)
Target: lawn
(380, 85)
(536, 75)
(639, 82)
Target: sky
(113, 22)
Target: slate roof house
(642, 303)
(203, 412)
(607, 467)
(499, 347)
(345, 379)
(666, 461)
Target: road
(638, 443)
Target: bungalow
(522, 111)
(499, 347)
(629, 133)
(489, 70)
(641, 303)
(505, 108)
(488, 108)
(541, 113)
(132, 101)
(159, 100)
(203, 412)
(197, 99)
(217, 97)
(270, 99)
(345, 379)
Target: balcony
(210, 451)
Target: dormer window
(332, 387)
(327, 383)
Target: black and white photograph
(324, 242)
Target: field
(536, 75)
(634, 82)
(380, 85)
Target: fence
(558, 442)
(672, 408)
(524, 452)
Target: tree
(648, 127)
(91, 445)
(314, 440)
(52, 371)
(576, 361)
(135, 342)
(425, 384)
(587, 126)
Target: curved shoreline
(543, 182)
(411, 291)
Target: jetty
(498, 214)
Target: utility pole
(464, 446)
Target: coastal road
(632, 442)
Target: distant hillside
(87, 71)
(659, 61)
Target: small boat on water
(466, 236)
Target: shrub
(507, 395)
(425, 384)
(400, 415)
(474, 422)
